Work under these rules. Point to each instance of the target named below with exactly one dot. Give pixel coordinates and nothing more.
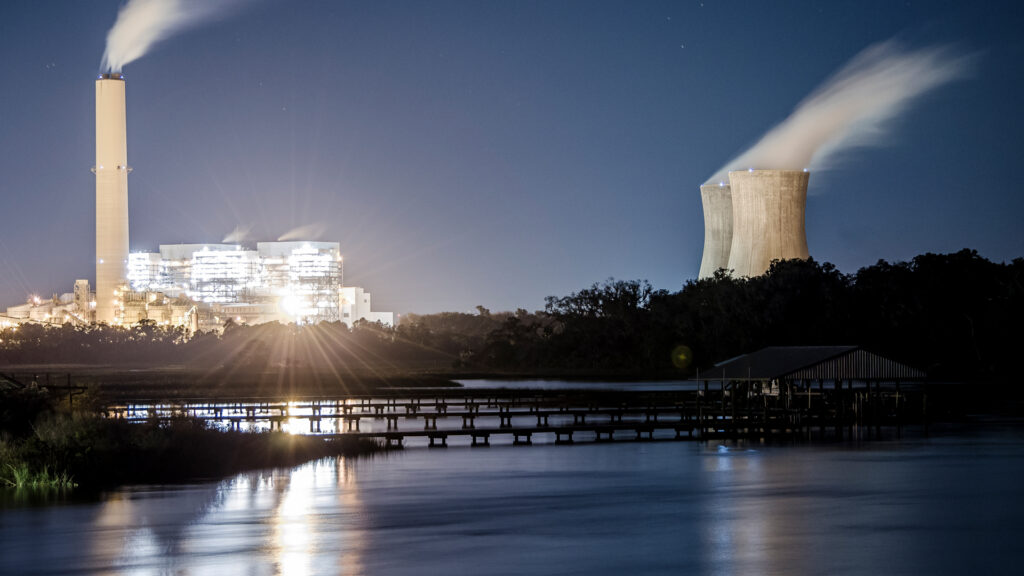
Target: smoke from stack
(239, 234)
(142, 23)
(307, 232)
(851, 108)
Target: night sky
(495, 153)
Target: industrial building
(755, 219)
(717, 201)
(203, 286)
(301, 282)
(196, 286)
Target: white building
(355, 305)
(56, 310)
(301, 282)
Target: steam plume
(142, 23)
(307, 232)
(851, 108)
(239, 234)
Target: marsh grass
(20, 476)
(64, 448)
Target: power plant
(717, 201)
(759, 216)
(111, 171)
(198, 286)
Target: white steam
(239, 234)
(307, 232)
(142, 23)
(851, 108)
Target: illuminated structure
(301, 282)
(717, 201)
(197, 286)
(767, 219)
(111, 171)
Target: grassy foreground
(43, 444)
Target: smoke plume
(851, 108)
(142, 23)
(307, 232)
(239, 234)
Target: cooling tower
(717, 201)
(767, 219)
(111, 195)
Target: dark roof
(812, 363)
(7, 382)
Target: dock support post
(522, 439)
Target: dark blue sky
(494, 153)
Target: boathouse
(828, 385)
(777, 366)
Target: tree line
(958, 316)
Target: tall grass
(20, 476)
(53, 447)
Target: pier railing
(739, 410)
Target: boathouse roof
(811, 363)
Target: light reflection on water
(935, 506)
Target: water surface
(940, 505)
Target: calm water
(944, 505)
(652, 386)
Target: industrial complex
(754, 218)
(196, 286)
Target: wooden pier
(735, 409)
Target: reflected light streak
(737, 535)
(350, 560)
(307, 535)
(293, 524)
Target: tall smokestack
(717, 201)
(767, 219)
(111, 195)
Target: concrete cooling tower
(717, 201)
(111, 195)
(767, 219)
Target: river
(949, 503)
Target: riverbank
(46, 445)
(175, 382)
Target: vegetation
(43, 444)
(958, 316)
(955, 315)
